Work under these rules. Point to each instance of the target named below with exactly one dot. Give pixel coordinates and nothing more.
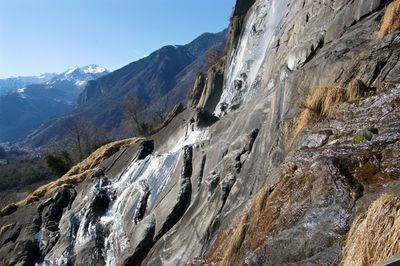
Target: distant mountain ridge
(159, 80)
(80, 75)
(11, 84)
(32, 104)
(171, 59)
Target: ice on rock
(154, 171)
(242, 82)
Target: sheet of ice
(255, 42)
(153, 173)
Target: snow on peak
(70, 71)
(80, 74)
(94, 69)
(47, 76)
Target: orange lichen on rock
(375, 235)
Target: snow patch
(21, 90)
(80, 83)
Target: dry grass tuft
(305, 119)
(356, 89)
(80, 172)
(269, 212)
(374, 236)
(226, 247)
(258, 218)
(7, 210)
(100, 154)
(262, 220)
(320, 103)
(215, 253)
(391, 19)
(236, 241)
(259, 202)
(4, 228)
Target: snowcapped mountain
(29, 105)
(75, 79)
(13, 83)
(80, 75)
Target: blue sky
(38, 36)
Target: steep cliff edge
(289, 148)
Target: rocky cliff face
(288, 150)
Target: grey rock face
(51, 212)
(203, 118)
(212, 90)
(180, 201)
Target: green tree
(58, 164)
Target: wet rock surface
(242, 189)
(51, 212)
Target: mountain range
(11, 84)
(26, 107)
(159, 81)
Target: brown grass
(261, 221)
(391, 19)
(230, 255)
(272, 205)
(321, 102)
(4, 228)
(10, 208)
(100, 154)
(215, 253)
(80, 172)
(227, 245)
(356, 89)
(374, 236)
